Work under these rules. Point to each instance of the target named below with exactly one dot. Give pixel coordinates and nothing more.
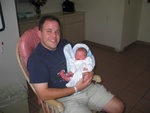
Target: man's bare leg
(115, 105)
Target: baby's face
(80, 55)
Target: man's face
(50, 34)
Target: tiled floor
(126, 74)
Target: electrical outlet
(2, 47)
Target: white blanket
(76, 66)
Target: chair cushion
(27, 43)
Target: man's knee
(115, 105)
(120, 107)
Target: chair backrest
(25, 46)
(27, 43)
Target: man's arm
(46, 93)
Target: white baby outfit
(76, 66)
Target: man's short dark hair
(47, 17)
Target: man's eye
(48, 31)
(58, 32)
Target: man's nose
(53, 34)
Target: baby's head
(80, 54)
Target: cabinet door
(74, 32)
(74, 28)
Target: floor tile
(129, 98)
(144, 106)
(147, 96)
(137, 89)
(143, 81)
(136, 111)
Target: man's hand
(85, 81)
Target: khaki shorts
(94, 97)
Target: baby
(80, 63)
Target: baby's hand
(63, 75)
(85, 69)
(69, 74)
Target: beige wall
(144, 29)
(9, 70)
(131, 21)
(104, 20)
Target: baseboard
(130, 45)
(143, 43)
(99, 45)
(137, 42)
(113, 49)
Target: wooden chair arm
(97, 78)
(56, 104)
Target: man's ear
(39, 33)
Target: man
(48, 60)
